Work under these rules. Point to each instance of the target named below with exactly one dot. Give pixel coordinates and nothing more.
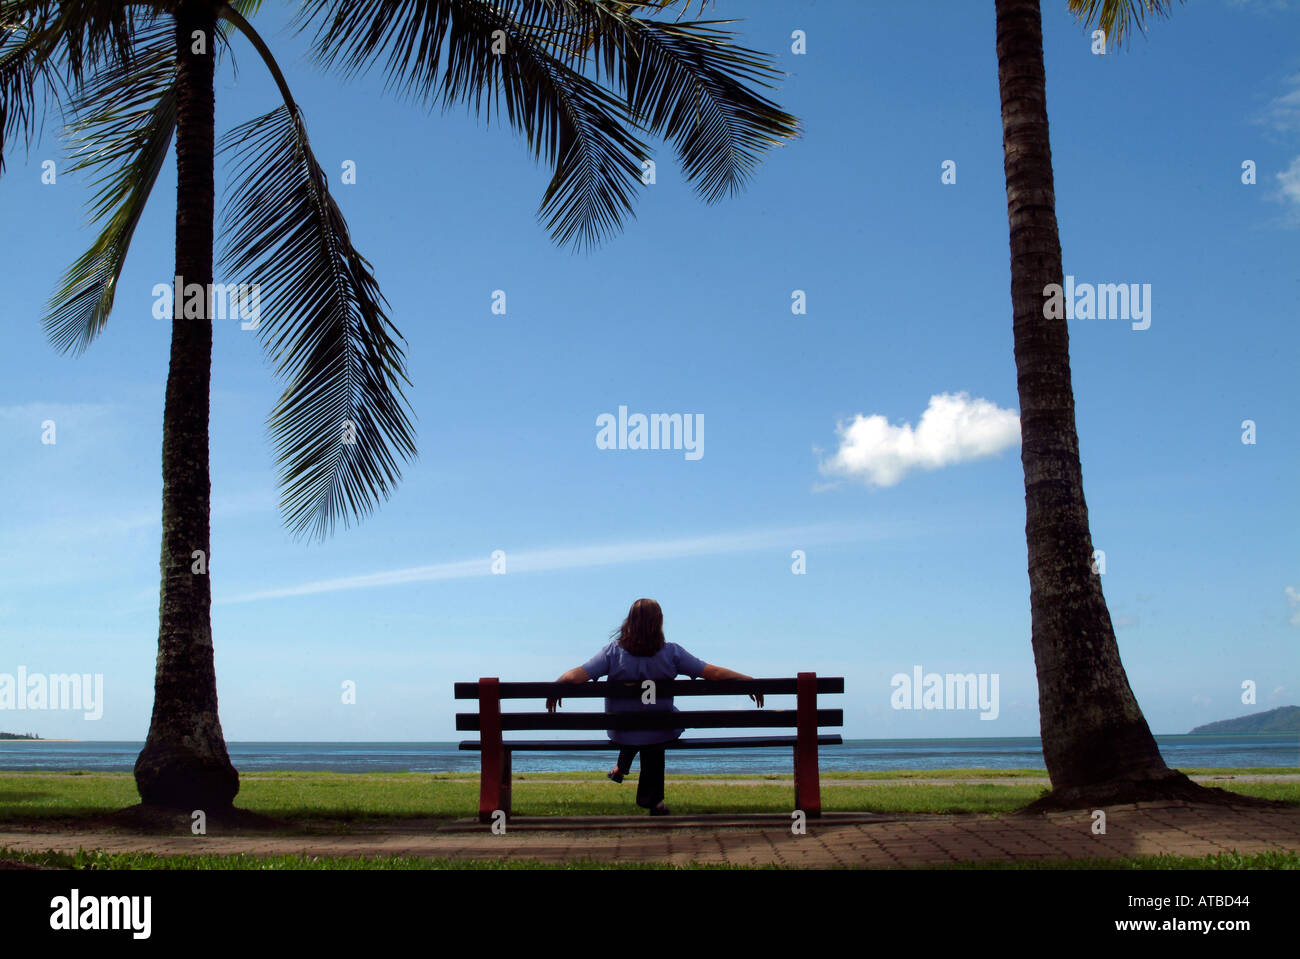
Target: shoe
(660, 810)
(616, 777)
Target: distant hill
(18, 736)
(1284, 719)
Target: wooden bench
(490, 722)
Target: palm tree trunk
(1096, 742)
(184, 761)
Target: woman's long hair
(642, 633)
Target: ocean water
(855, 755)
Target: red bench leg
(505, 782)
(807, 780)
(494, 770)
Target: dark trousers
(650, 785)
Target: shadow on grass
(155, 820)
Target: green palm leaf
(323, 324)
(29, 78)
(126, 118)
(687, 82)
(448, 51)
(540, 62)
(1119, 18)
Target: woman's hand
(723, 673)
(575, 675)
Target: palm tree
(132, 75)
(1096, 743)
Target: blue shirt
(619, 665)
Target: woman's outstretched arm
(722, 672)
(575, 675)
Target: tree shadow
(163, 820)
(1173, 787)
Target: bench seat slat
(663, 687)
(574, 745)
(686, 719)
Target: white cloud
(953, 429)
(1293, 598)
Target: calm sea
(859, 754)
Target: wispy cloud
(1283, 113)
(38, 409)
(1293, 600)
(1290, 180)
(28, 417)
(101, 530)
(579, 557)
(953, 429)
(1263, 5)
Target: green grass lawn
(348, 797)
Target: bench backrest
(806, 686)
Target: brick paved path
(1143, 829)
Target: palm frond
(96, 32)
(245, 8)
(442, 52)
(126, 116)
(49, 47)
(1119, 18)
(82, 35)
(689, 83)
(685, 81)
(323, 324)
(29, 79)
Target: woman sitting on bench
(639, 653)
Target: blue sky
(689, 311)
